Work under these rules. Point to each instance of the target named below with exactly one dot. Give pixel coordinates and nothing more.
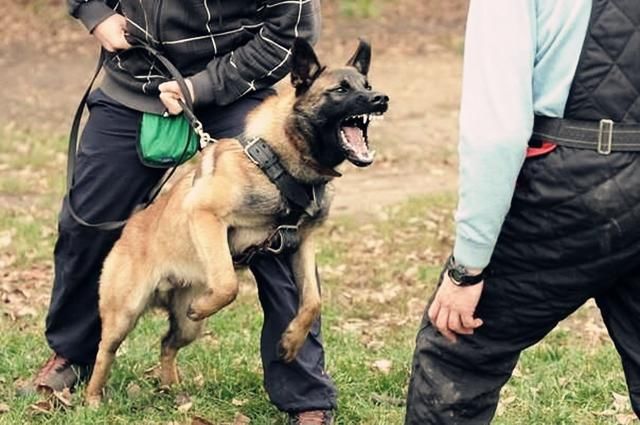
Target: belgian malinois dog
(177, 254)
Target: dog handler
(549, 205)
(232, 52)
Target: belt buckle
(249, 146)
(605, 137)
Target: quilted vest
(607, 80)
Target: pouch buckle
(605, 137)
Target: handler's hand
(111, 33)
(453, 307)
(170, 93)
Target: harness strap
(302, 196)
(304, 199)
(603, 136)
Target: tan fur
(176, 254)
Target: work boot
(56, 374)
(312, 417)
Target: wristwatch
(459, 274)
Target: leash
(302, 199)
(187, 108)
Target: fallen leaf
(5, 239)
(185, 407)
(184, 403)
(383, 365)
(198, 420)
(625, 419)
(237, 402)
(241, 419)
(133, 390)
(42, 406)
(64, 397)
(385, 399)
(508, 400)
(199, 380)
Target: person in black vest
(232, 53)
(549, 204)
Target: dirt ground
(46, 60)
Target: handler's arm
(91, 12)
(496, 120)
(262, 61)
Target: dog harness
(303, 200)
(603, 109)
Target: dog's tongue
(356, 142)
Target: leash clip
(605, 137)
(205, 138)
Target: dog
(177, 254)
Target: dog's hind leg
(121, 304)
(209, 235)
(304, 270)
(182, 331)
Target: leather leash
(187, 108)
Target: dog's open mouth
(354, 139)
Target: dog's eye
(340, 89)
(367, 86)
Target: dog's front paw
(291, 342)
(93, 401)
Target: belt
(603, 136)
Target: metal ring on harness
(287, 238)
(283, 239)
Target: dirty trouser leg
(573, 231)
(459, 383)
(109, 182)
(620, 308)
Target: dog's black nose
(379, 99)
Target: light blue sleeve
(496, 120)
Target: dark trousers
(109, 182)
(573, 233)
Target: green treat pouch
(166, 141)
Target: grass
(377, 273)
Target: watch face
(456, 275)
(460, 276)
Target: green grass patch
(377, 275)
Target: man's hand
(453, 307)
(111, 33)
(170, 93)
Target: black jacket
(227, 47)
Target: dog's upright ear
(361, 59)
(305, 66)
